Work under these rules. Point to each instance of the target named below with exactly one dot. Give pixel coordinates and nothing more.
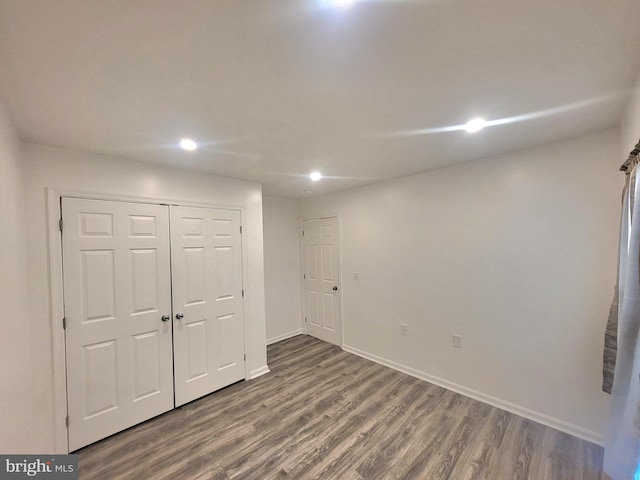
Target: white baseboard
(279, 338)
(258, 372)
(566, 427)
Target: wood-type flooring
(323, 413)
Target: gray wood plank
(323, 414)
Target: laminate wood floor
(326, 414)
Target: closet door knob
(166, 317)
(179, 316)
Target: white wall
(631, 123)
(517, 254)
(281, 267)
(74, 171)
(15, 372)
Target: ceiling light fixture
(315, 176)
(475, 125)
(343, 3)
(336, 4)
(188, 144)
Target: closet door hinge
(240, 228)
(64, 323)
(245, 357)
(60, 222)
(66, 421)
(304, 276)
(242, 293)
(305, 319)
(303, 233)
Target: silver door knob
(166, 317)
(179, 316)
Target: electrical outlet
(456, 341)
(403, 329)
(356, 277)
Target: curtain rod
(632, 155)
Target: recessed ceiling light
(188, 144)
(475, 125)
(337, 4)
(315, 176)
(343, 3)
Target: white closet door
(322, 280)
(116, 288)
(208, 335)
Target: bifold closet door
(116, 292)
(208, 330)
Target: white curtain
(622, 445)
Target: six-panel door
(322, 280)
(208, 339)
(116, 290)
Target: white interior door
(322, 292)
(116, 289)
(206, 255)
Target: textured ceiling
(276, 88)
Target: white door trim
(340, 275)
(56, 294)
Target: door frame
(303, 259)
(56, 290)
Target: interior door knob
(166, 317)
(335, 288)
(179, 315)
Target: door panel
(98, 280)
(116, 288)
(146, 360)
(313, 316)
(144, 280)
(322, 275)
(101, 376)
(207, 290)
